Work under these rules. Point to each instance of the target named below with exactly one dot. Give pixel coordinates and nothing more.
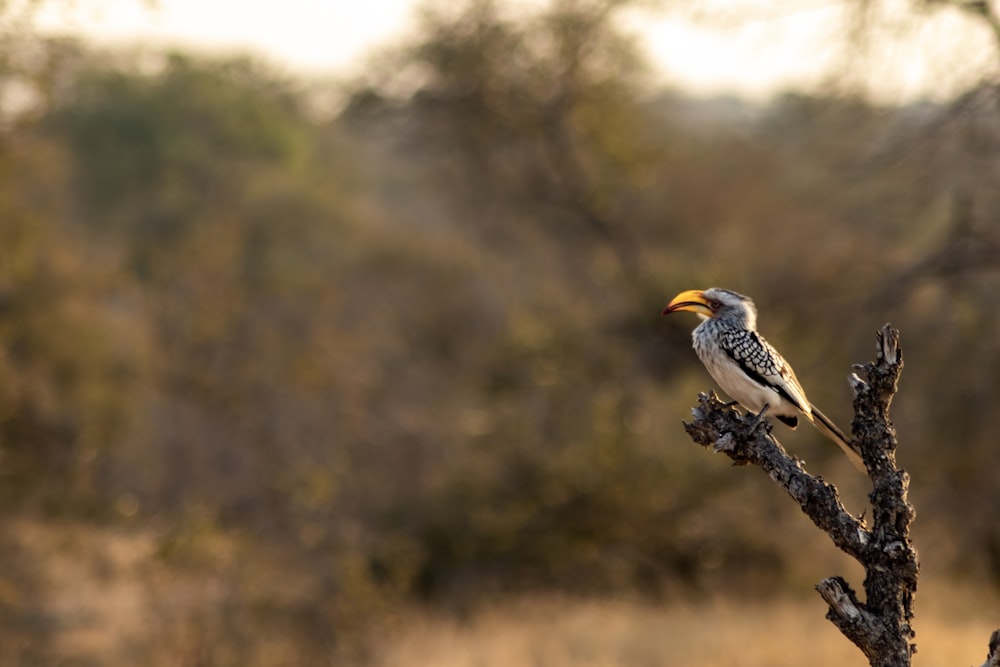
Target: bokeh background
(366, 367)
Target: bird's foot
(758, 419)
(730, 404)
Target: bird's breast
(732, 379)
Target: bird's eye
(714, 305)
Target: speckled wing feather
(763, 363)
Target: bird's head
(716, 303)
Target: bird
(746, 366)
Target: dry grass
(556, 632)
(114, 602)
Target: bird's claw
(758, 419)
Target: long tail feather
(830, 430)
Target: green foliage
(71, 345)
(171, 142)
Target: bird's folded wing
(764, 365)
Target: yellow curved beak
(692, 299)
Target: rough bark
(880, 625)
(993, 657)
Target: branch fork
(880, 625)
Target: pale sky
(783, 45)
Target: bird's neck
(746, 321)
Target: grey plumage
(746, 366)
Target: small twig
(848, 614)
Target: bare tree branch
(879, 626)
(993, 657)
(747, 440)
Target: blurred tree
(537, 120)
(71, 346)
(173, 141)
(947, 286)
(203, 168)
(547, 468)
